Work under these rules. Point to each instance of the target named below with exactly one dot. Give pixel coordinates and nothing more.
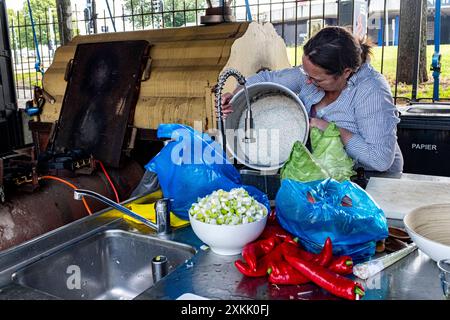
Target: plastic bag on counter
(149, 183)
(342, 211)
(302, 166)
(327, 160)
(191, 166)
(329, 152)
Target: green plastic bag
(302, 166)
(328, 159)
(329, 152)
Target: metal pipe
(415, 78)
(436, 60)
(383, 41)
(110, 16)
(249, 126)
(160, 228)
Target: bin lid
(425, 110)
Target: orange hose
(109, 180)
(70, 185)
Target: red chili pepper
(330, 281)
(346, 202)
(255, 250)
(272, 219)
(282, 272)
(275, 231)
(262, 264)
(295, 251)
(247, 271)
(310, 198)
(341, 265)
(325, 256)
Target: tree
(161, 13)
(22, 33)
(65, 20)
(408, 35)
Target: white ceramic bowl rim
(409, 228)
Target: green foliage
(169, 13)
(22, 34)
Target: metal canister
(162, 210)
(160, 267)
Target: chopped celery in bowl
(227, 208)
(227, 221)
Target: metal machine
(92, 133)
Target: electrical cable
(70, 185)
(109, 180)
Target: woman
(337, 84)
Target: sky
(14, 4)
(101, 4)
(18, 4)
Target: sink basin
(112, 264)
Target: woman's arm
(291, 78)
(374, 143)
(323, 124)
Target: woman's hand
(227, 108)
(318, 123)
(322, 125)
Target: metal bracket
(147, 70)
(2, 188)
(2, 194)
(48, 96)
(132, 141)
(68, 72)
(5, 53)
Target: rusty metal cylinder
(27, 215)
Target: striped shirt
(365, 108)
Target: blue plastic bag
(191, 166)
(343, 211)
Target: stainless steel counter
(213, 276)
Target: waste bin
(424, 138)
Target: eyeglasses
(313, 81)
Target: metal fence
(295, 21)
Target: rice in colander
(278, 122)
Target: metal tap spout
(162, 225)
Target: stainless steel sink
(112, 264)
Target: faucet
(162, 212)
(248, 114)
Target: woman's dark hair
(335, 49)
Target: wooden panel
(152, 111)
(186, 63)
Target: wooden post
(64, 20)
(94, 16)
(412, 42)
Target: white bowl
(429, 228)
(228, 239)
